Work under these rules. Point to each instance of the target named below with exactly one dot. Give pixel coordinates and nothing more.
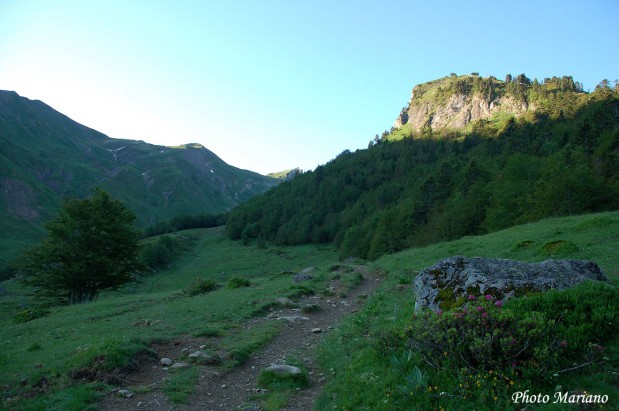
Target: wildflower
(439, 312)
(480, 308)
(488, 297)
(485, 314)
(499, 303)
(471, 297)
(563, 343)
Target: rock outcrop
(441, 105)
(447, 283)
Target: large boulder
(449, 282)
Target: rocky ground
(236, 389)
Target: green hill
(543, 149)
(45, 155)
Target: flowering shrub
(486, 350)
(482, 335)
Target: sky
(270, 85)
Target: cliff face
(449, 104)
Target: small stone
(180, 364)
(284, 369)
(285, 301)
(293, 318)
(203, 346)
(223, 385)
(195, 354)
(125, 393)
(166, 362)
(316, 330)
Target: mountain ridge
(45, 155)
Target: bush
(485, 351)
(482, 336)
(200, 286)
(238, 282)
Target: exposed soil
(229, 390)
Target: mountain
(468, 155)
(45, 155)
(286, 174)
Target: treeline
(417, 191)
(185, 222)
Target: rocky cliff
(454, 102)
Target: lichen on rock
(447, 283)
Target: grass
(108, 332)
(357, 355)
(180, 384)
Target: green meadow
(38, 356)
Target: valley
(79, 356)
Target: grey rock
(284, 369)
(166, 362)
(195, 354)
(504, 279)
(125, 393)
(301, 277)
(180, 364)
(293, 318)
(285, 301)
(316, 330)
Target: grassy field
(38, 357)
(358, 354)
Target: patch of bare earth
(229, 390)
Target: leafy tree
(91, 246)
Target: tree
(91, 246)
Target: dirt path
(230, 390)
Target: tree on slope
(91, 246)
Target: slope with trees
(441, 184)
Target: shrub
(26, 315)
(200, 286)
(481, 336)
(485, 351)
(238, 282)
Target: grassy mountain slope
(416, 187)
(44, 156)
(105, 334)
(362, 347)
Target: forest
(413, 188)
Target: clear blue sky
(270, 85)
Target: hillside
(555, 153)
(45, 155)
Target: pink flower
(563, 343)
(439, 312)
(480, 308)
(499, 303)
(485, 315)
(488, 297)
(471, 297)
